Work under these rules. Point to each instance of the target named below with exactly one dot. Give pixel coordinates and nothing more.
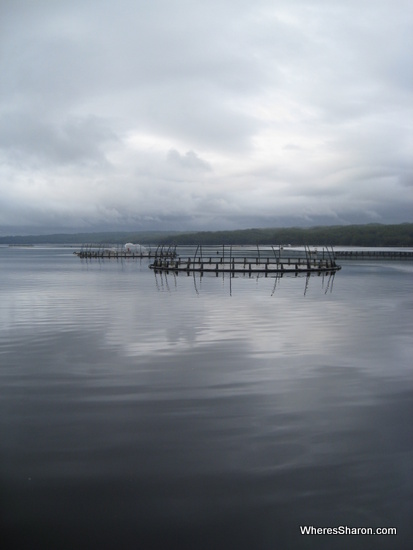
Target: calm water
(148, 411)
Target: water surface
(141, 410)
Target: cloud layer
(185, 114)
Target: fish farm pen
(248, 260)
(89, 251)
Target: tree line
(339, 235)
(350, 235)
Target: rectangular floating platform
(109, 254)
(91, 251)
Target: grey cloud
(74, 140)
(189, 161)
(406, 180)
(205, 122)
(223, 112)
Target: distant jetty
(249, 260)
(375, 254)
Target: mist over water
(141, 410)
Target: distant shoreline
(371, 235)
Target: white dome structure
(132, 248)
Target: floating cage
(90, 251)
(262, 259)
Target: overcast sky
(190, 114)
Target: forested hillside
(348, 235)
(351, 235)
